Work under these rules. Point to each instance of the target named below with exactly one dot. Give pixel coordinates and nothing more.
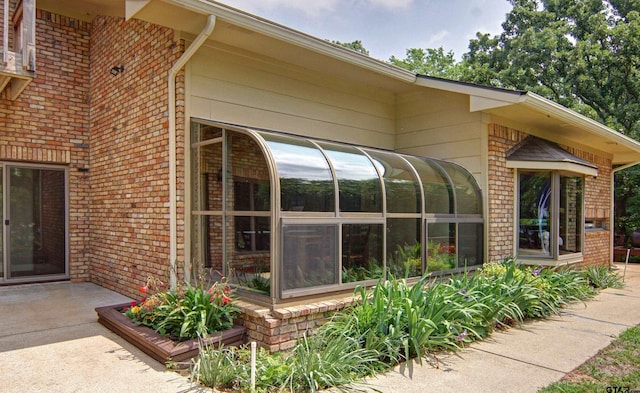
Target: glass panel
(441, 246)
(201, 132)
(310, 256)
(468, 194)
(1, 220)
(247, 174)
(37, 234)
(207, 177)
(404, 251)
(362, 252)
(358, 181)
(571, 220)
(438, 194)
(206, 252)
(248, 252)
(402, 187)
(535, 214)
(306, 183)
(470, 245)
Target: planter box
(159, 347)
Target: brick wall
(49, 122)
(129, 153)
(501, 194)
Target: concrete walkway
(50, 341)
(528, 358)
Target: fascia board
(556, 110)
(554, 166)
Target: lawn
(615, 369)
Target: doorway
(34, 217)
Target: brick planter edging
(159, 347)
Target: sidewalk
(50, 341)
(528, 358)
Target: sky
(386, 27)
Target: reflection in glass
(467, 192)
(247, 172)
(362, 252)
(306, 182)
(310, 255)
(358, 181)
(401, 187)
(404, 251)
(248, 257)
(207, 170)
(535, 215)
(37, 234)
(470, 245)
(438, 195)
(571, 221)
(206, 250)
(201, 132)
(441, 246)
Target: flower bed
(159, 347)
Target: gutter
(612, 208)
(173, 197)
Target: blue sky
(386, 27)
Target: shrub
(602, 277)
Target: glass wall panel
(248, 251)
(310, 255)
(206, 250)
(534, 207)
(207, 177)
(470, 245)
(404, 251)
(247, 175)
(362, 252)
(571, 220)
(441, 246)
(467, 192)
(438, 194)
(358, 182)
(306, 183)
(201, 132)
(401, 186)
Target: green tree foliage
(583, 54)
(354, 45)
(431, 62)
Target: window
(550, 221)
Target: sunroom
(285, 216)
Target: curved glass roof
(320, 176)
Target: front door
(34, 236)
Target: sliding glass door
(34, 206)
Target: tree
(355, 46)
(583, 54)
(431, 62)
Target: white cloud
(438, 37)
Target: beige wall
(246, 89)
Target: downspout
(173, 195)
(612, 208)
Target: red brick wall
(501, 189)
(129, 153)
(49, 122)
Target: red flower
(225, 299)
(143, 289)
(134, 303)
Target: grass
(616, 368)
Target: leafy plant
(603, 277)
(186, 313)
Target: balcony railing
(18, 67)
